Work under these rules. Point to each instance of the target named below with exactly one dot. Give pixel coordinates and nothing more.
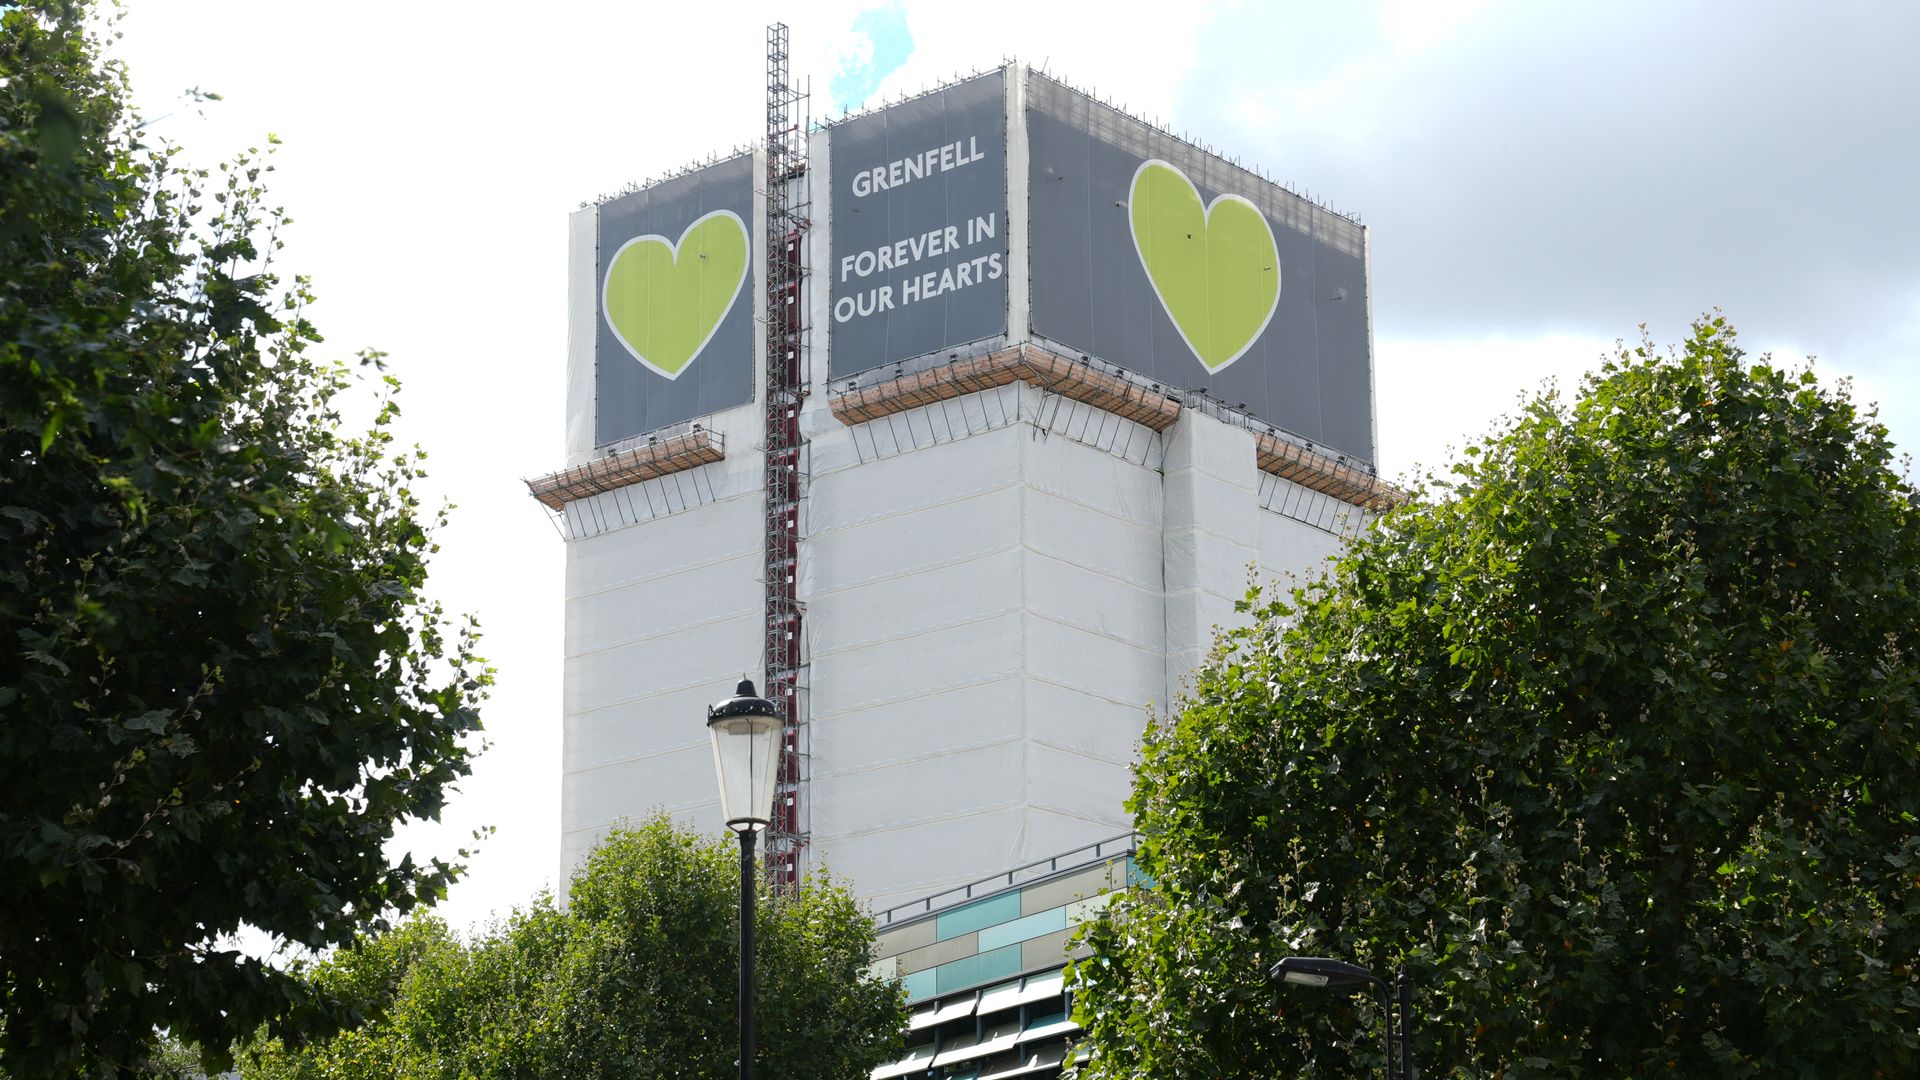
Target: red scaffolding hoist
(786, 464)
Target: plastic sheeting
(947, 587)
(663, 617)
(988, 618)
(582, 296)
(1210, 535)
(1294, 552)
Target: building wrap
(1036, 391)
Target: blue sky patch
(882, 46)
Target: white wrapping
(952, 851)
(1198, 441)
(1097, 664)
(998, 839)
(990, 607)
(913, 604)
(582, 292)
(1127, 549)
(1081, 474)
(1090, 601)
(944, 421)
(1214, 504)
(819, 253)
(946, 588)
(1207, 560)
(663, 618)
(851, 743)
(730, 527)
(675, 781)
(934, 538)
(1211, 536)
(916, 481)
(937, 659)
(956, 783)
(713, 652)
(1293, 552)
(656, 605)
(1078, 786)
(1086, 722)
(639, 727)
(1019, 285)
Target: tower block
(963, 422)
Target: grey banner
(919, 210)
(1307, 369)
(675, 331)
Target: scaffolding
(659, 457)
(786, 452)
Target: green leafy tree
(635, 979)
(1608, 739)
(222, 689)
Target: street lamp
(746, 738)
(1319, 971)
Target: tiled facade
(983, 968)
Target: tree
(635, 979)
(1608, 738)
(223, 688)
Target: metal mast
(786, 451)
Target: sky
(1539, 180)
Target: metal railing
(1039, 869)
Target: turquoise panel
(1000, 908)
(919, 984)
(1137, 877)
(1035, 925)
(975, 970)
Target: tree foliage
(635, 979)
(222, 689)
(1608, 739)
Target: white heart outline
(1206, 218)
(673, 247)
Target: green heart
(1216, 268)
(665, 308)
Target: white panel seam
(682, 630)
(931, 755)
(909, 636)
(665, 575)
(1061, 811)
(635, 698)
(914, 508)
(1090, 691)
(1083, 752)
(1143, 524)
(908, 823)
(573, 652)
(577, 770)
(1044, 617)
(914, 571)
(921, 695)
(1118, 579)
(895, 515)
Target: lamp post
(1319, 971)
(745, 729)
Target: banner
(919, 259)
(1163, 259)
(675, 332)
